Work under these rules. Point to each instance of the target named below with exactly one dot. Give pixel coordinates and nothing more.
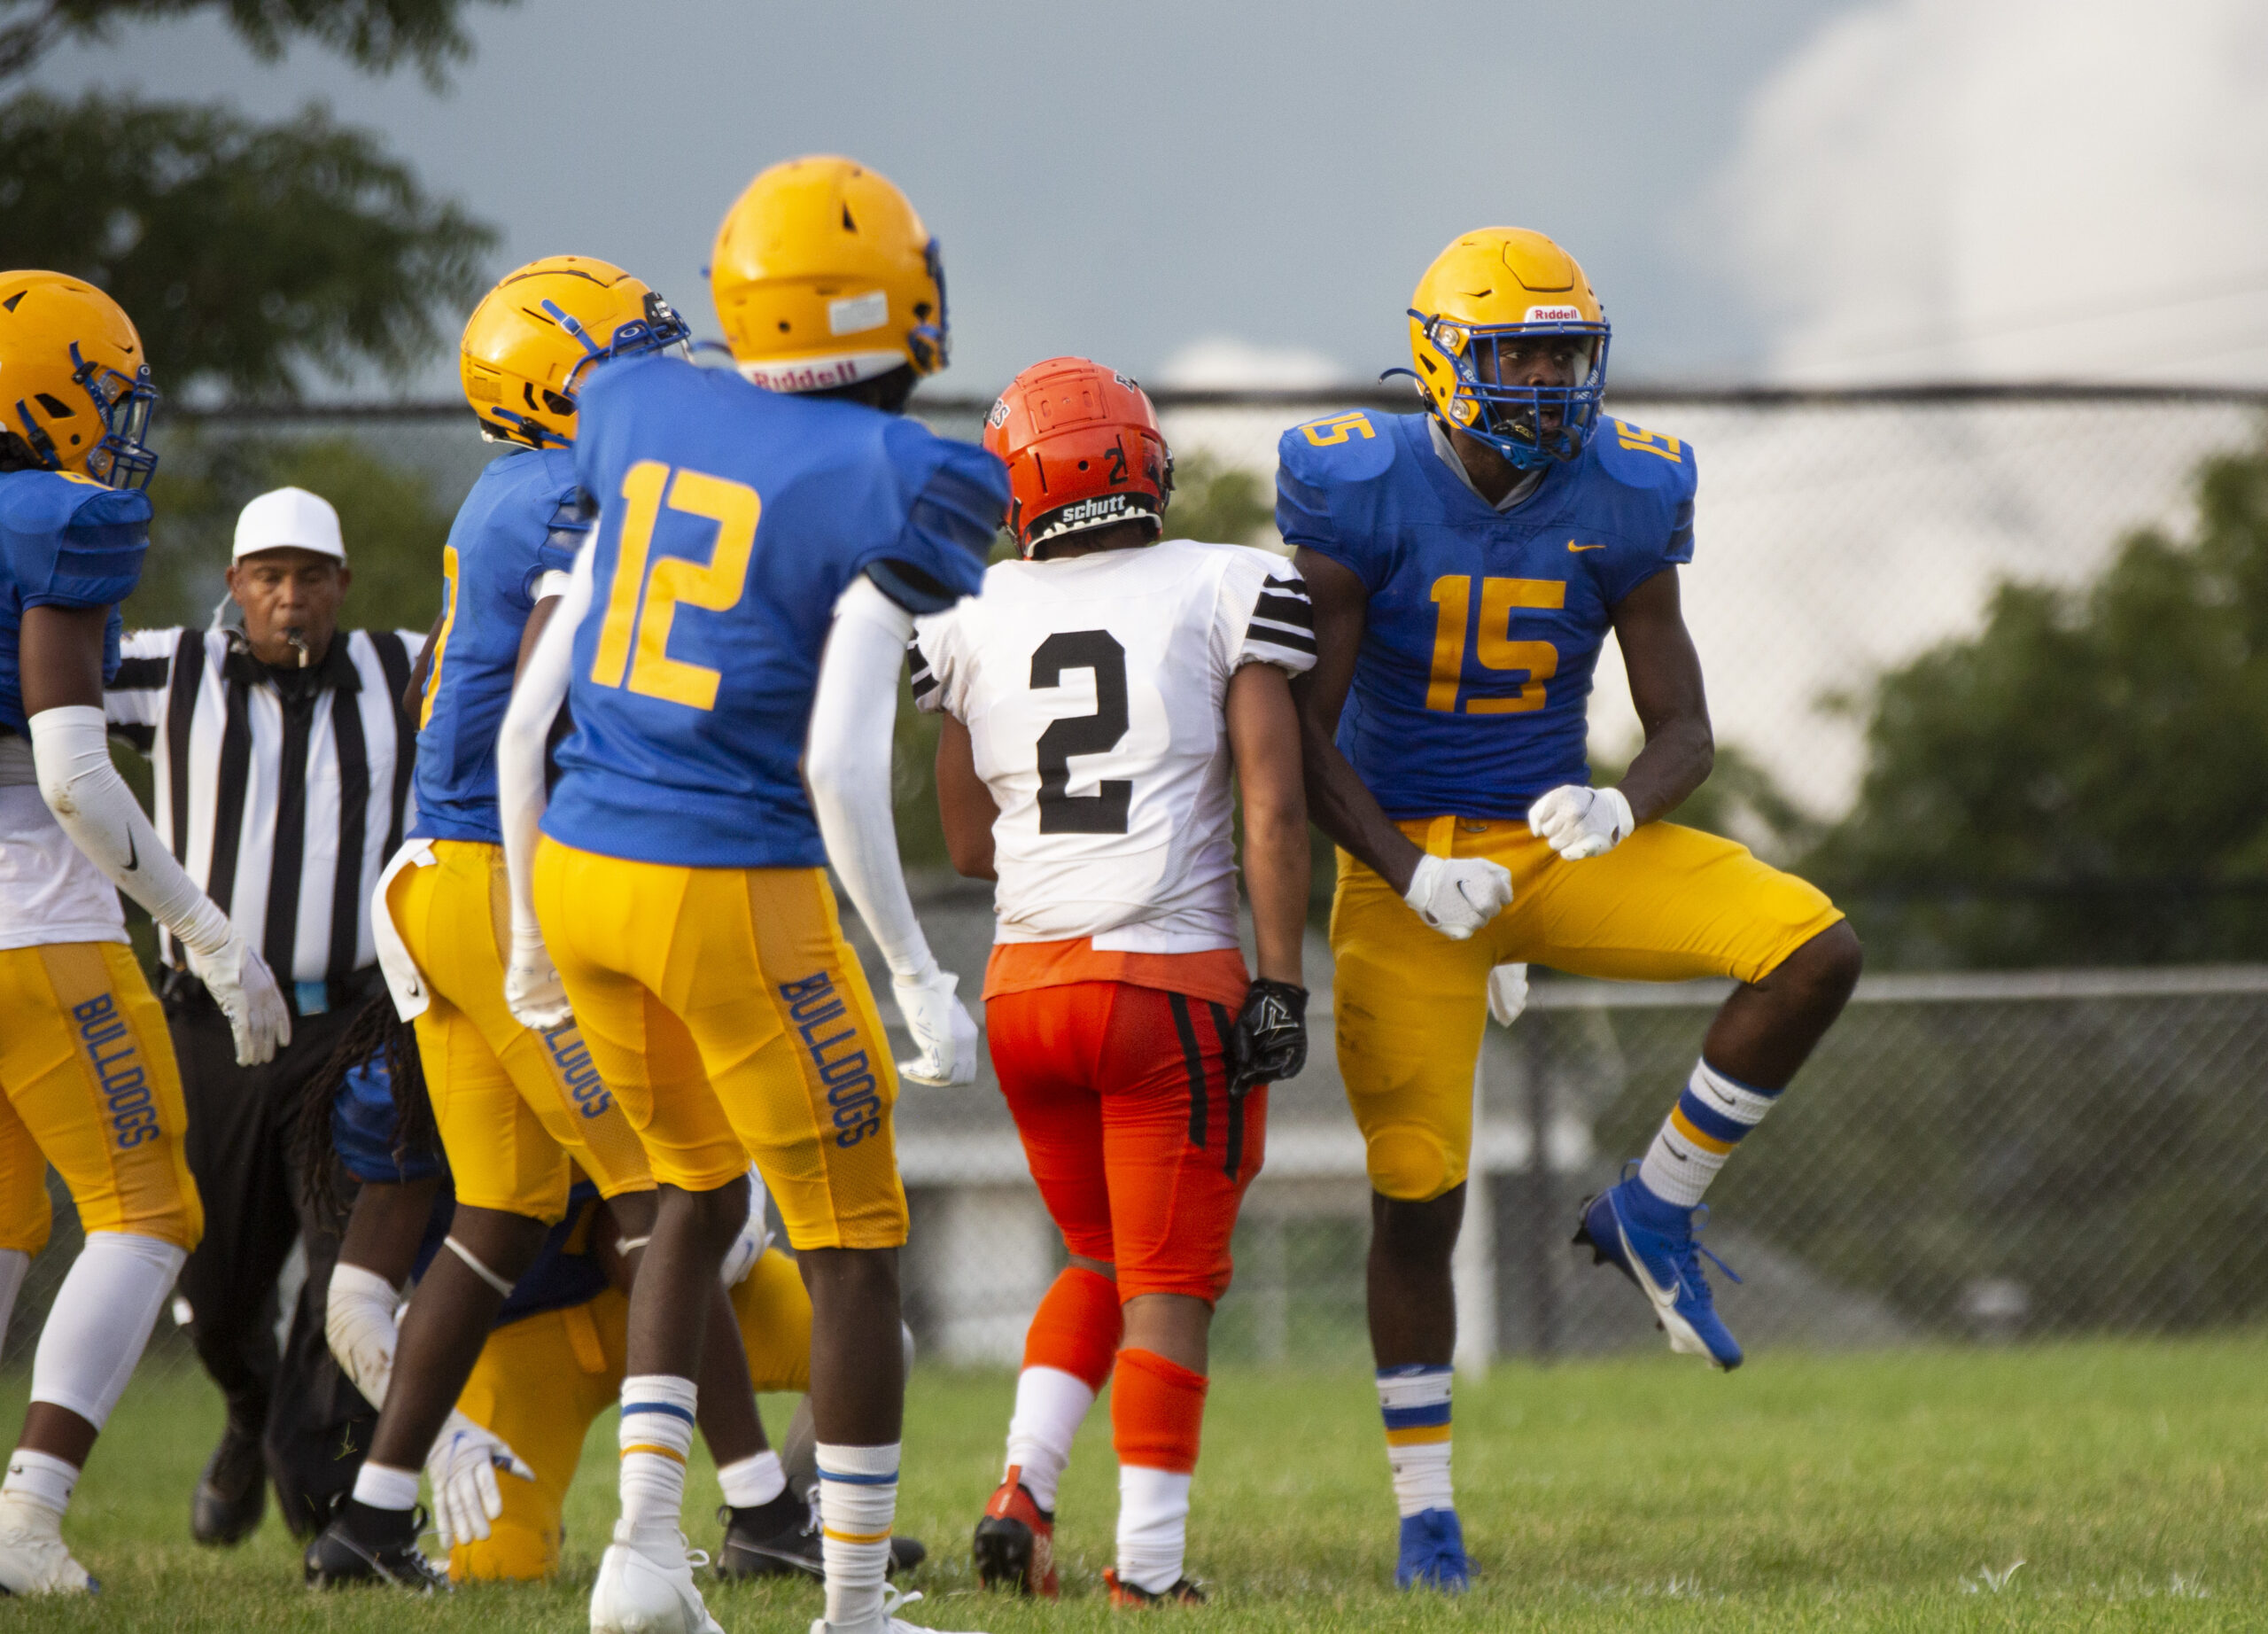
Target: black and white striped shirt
(284, 810)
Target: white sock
(1050, 1404)
(100, 1320)
(383, 1487)
(750, 1481)
(1415, 1402)
(40, 1478)
(1713, 1115)
(13, 1264)
(656, 1436)
(858, 1504)
(1153, 1527)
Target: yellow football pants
(727, 1012)
(514, 1106)
(541, 1381)
(87, 1082)
(1669, 904)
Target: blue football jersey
(730, 520)
(65, 542)
(1483, 628)
(524, 517)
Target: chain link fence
(1975, 1157)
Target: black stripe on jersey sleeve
(1275, 635)
(1277, 608)
(925, 683)
(140, 676)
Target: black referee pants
(314, 1426)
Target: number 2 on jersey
(1104, 811)
(642, 603)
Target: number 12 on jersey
(642, 602)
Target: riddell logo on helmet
(1088, 509)
(801, 376)
(1554, 314)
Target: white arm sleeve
(536, 697)
(70, 747)
(846, 763)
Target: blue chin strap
(659, 331)
(932, 343)
(1517, 420)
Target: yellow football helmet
(824, 276)
(1494, 288)
(74, 385)
(532, 338)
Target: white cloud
(2023, 188)
(1223, 363)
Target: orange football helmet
(1082, 449)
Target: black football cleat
(232, 1493)
(1130, 1597)
(780, 1539)
(373, 1545)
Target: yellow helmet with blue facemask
(74, 383)
(532, 340)
(823, 278)
(1491, 291)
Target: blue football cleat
(1653, 1243)
(1432, 1553)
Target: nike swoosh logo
(133, 857)
(1571, 545)
(1655, 1291)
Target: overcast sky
(1813, 189)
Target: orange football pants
(1121, 1095)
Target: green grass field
(1889, 1491)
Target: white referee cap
(288, 518)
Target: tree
(244, 253)
(2086, 780)
(248, 254)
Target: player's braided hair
(377, 1035)
(17, 455)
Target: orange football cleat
(1016, 1541)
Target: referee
(283, 763)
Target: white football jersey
(49, 891)
(1093, 689)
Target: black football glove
(1270, 1041)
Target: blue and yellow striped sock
(656, 1435)
(1415, 1401)
(1713, 1115)
(858, 1504)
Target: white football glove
(1579, 823)
(942, 1029)
(755, 1237)
(1507, 992)
(1458, 895)
(462, 1470)
(240, 984)
(533, 990)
